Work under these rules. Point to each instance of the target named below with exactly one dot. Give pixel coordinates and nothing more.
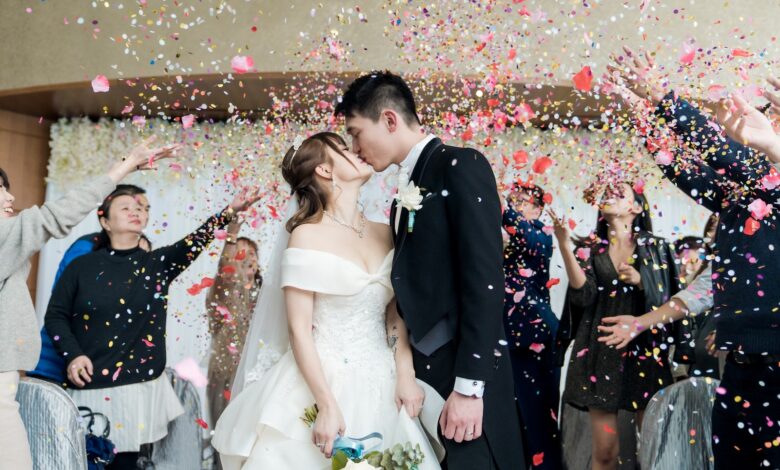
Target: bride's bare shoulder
(305, 235)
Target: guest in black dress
(621, 270)
(531, 325)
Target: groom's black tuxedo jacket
(451, 263)
(450, 268)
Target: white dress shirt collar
(414, 154)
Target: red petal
(751, 226)
(553, 282)
(583, 79)
(538, 459)
(542, 164)
(520, 157)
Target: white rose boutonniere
(408, 196)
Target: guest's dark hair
(253, 244)
(4, 176)
(370, 94)
(536, 192)
(299, 170)
(711, 227)
(104, 211)
(689, 243)
(642, 223)
(694, 243)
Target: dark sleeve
(736, 161)
(474, 213)
(179, 256)
(59, 312)
(509, 217)
(584, 296)
(700, 182)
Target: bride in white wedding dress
(347, 350)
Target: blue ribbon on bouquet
(354, 448)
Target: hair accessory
(296, 145)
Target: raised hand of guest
(80, 371)
(244, 199)
(773, 97)
(560, 230)
(639, 73)
(141, 157)
(749, 126)
(619, 330)
(629, 275)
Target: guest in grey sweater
(21, 236)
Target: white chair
(53, 426)
(676, 431)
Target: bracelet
(229, 213)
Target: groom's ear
(390, 119)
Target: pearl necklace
(359, 231)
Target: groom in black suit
(447, 270)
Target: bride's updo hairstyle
(298, 169)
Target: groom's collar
(414, 154)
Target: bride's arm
(408, 393)
(330, 422)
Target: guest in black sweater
(741, 185)
(107, 318)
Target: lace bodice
(349, 306)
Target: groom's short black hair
(370, 94)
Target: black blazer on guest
(450, 265)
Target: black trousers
(536, 391)
(746, 418)
(124, 461)
(503, 449)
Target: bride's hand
(408, 393)
(329, 425)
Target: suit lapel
(417, 174)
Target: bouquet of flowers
(398, 457)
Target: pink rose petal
(242, 63)
(663, 157)
(100, 84)
(759, 209)
(536, 347)
(186, 121)
(188, 369)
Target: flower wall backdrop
(220, 158)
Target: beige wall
(561, 37)
(24, 152)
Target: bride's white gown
(262, 428)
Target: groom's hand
(461, 418)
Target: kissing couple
(395, 330)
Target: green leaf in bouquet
(374, 458)
(310, 415)
(339, 460)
